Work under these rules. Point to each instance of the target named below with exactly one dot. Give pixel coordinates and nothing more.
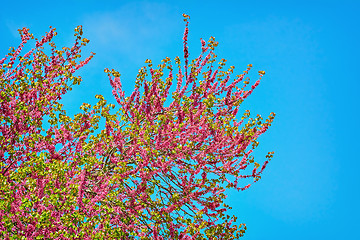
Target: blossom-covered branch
(157, 170)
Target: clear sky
(310, 52)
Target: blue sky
(310, 52)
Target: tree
(155, 172)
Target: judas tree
(158, 169)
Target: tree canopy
(159, 168)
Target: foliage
(147, 175)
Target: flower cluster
(157, 170)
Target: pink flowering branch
(147, 173)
